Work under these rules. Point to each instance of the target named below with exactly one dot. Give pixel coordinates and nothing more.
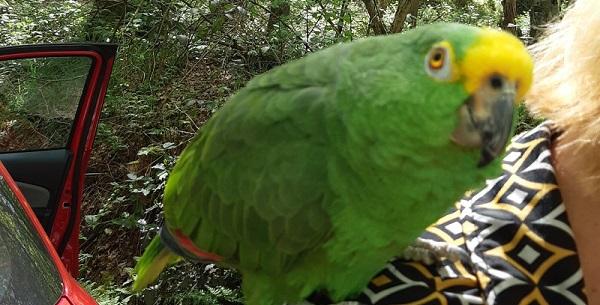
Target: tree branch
(341, 15)
(266, 9)
(375, 20)
(323, 10)
(509, 8)
(404, 7)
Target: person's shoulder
(517, 232)
(545, 130)
(504, 243)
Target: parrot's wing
(252, 187)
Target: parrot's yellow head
(497, 53)
(496, 72)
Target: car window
(27, 273)
(39, 98)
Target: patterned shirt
(516, 233)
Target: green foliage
(38, 100)
(22, 21)
(211, 296)
(107, 294)
(211, 286)
(486, 13)
(526, 121)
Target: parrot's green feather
(269, 198)
(319, 171)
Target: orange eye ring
(437, 58)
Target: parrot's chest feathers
(387, 208)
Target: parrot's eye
(438, 62)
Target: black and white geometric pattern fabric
(516, 233)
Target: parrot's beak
(485, 119)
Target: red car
(50, 102)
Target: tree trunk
(404, 8)
(461, 4)
(105, 14)
(383, 4)
(414, 13)
(375, 17)
(510, 13)
(278, 11)
(542, 12)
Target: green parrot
(316, 173)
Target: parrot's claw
(415, 253)
(428, 252)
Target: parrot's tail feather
(183, 246)
(156, 258)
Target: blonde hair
(566, 88)
(566, 85)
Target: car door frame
(64, 233)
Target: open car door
(51, 97)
